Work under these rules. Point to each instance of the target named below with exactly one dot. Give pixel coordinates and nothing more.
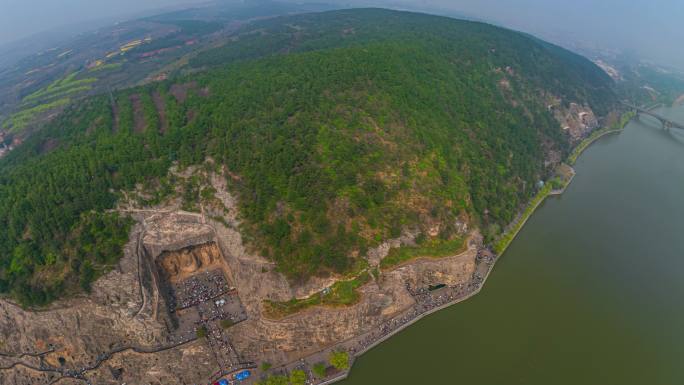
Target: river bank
(509, 235)
(417, 313)
(429, 303)
(426, 303)
(588, 289)
(615, 128)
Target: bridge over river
(667, 123)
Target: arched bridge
(667, 123)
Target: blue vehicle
(223, 381)
(243, 375)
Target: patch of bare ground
(189, 364)
(24, 375)
(679, 101)
(180, 91)
(115, 115)
(49, 145)
(120, 312)
(94, 125)
(304, 333)
(138, 115)
(190, 114)
(127, 306)
(160, 105)
(577, 121)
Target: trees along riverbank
(615, 127)
(509, 235)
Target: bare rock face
(679, 101)
(578, 121)
(182, 263)
(433, 272)
(296, 336)
(73, 334)
(376, 254)
(315, 329)
(122, 331)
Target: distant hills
(105, 54)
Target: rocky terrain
(121, 332)
(577, 120)
(125, 331)
(331, 177)
(58, 344)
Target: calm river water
(591, 292)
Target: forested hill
(543, 64)
(339, 130)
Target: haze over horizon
(24, 18)
(645, 28)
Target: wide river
(590, 293)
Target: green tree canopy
(340, 360)
(297, 377)
(332, 146)
(319, 369)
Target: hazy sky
(21, 18)
(652, 28)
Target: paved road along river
(589, 293)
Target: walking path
(426, 303)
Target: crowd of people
(425, 301)
(199, 288)
(229, 308)
(226, 356)
(223, 349)
(214, 300)
(211, 295)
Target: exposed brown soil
(161, 111)
(126, 306)
(138, 116)
(49, 145)
(190, 114)
(180, 91)
(680, 100)
(115, 115)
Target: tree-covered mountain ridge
(336, 131)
